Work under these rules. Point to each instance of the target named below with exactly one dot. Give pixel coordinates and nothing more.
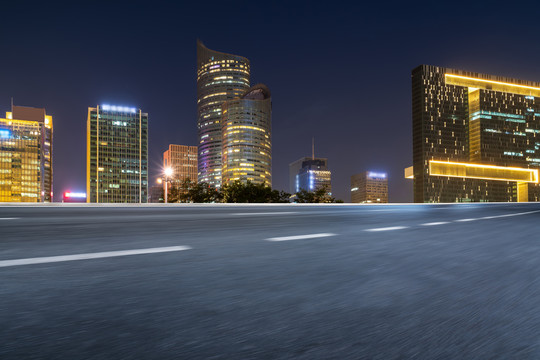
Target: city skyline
(164, 85)
(286, 180)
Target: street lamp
(168, 172)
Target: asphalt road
(270, 282)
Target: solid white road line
(300, 237)
(266, 213)
(435, 223)
(388, 228)
(88, 256)
(465, 220)
(9, 218)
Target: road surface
(270, 282)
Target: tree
(248, 192)
(320, 195)
(233, 192)
(192, 192)
(279, 197)
(175, 193)
(304, 197)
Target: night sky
(337, 72)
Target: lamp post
(168, 172)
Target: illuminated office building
(369, 187)
(117, 155)
(220, 77)
(294, 169)
(182, 159)
(247, 146)
(26, 173)
(313, 175)
(476, 137)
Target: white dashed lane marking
(436, 223)
(301, 237)
(88, 256)
(391, 228)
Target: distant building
(26, 143)
(312, 175)
(476, 137)
(156, 194)
(117, 155)
(220, 77)
(369, 187)
(182, 159)
(246, 137)
(294, 169)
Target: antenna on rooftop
(312, 148)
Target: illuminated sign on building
(74, 197)
(118, 108)
(375, 175)
(5, 134)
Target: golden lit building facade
(117, 155)
(220, 77)
(247, 137)
(182, 160)
(462, 117)
(369, 187)
(26, 173)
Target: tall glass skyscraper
(117, 155)
(26, 173)
(247, 140)
(476, 137)
(220, 77)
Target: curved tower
(247, 137)
(220, 77)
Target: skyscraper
(247, 146)
(369, 187)
(294, 169)
(476, 137)
(312, 175)
(117, 155)
(182, 159)
(26, 141)
(220, 77)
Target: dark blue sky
(337, 72)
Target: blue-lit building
(369, 187)
(117, 155)
(311, 174)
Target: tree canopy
(242, 192)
